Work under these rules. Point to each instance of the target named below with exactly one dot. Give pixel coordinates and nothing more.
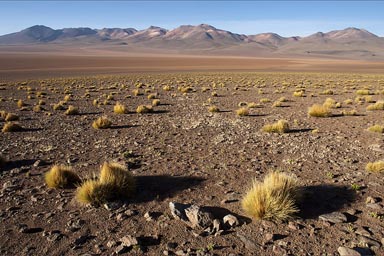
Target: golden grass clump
(352, 112)
(67, 97)
(142, 109)
(317, 110)
(11, 117)
(348, 102)
(242, 112)
(375, 167)
(12, 127)
(265, 100)
(213, 109)
(152, 96)
(298, 93)
(377, 106)
(119, 108)
(280, 126)
(376, 128)
(156, 102)
(58, 106)
(94, 192)
(277, 104)
(330, 103)
(118, 177)
(273, 199)
(102, 123)
(37, 108)
(252, 105)
(61, 176)
(327, 92)
(363, 92)
(20, 103)
(72, 110)
(3, 114)
(166, 88)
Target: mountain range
(206, 39)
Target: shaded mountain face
(187, 37)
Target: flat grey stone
(334, 217)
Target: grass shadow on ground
(162, 186)
(321, 199)
(9, 165)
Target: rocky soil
(193, 166)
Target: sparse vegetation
(376, 128)
(213, 109)
(102, 123)
(377, 106)
(273, 199)
(61, 176)
(375, 167)
(12, 127)
(72, 111)
(119, 108)
(11, 117)
(118, 176)
(280, 126)
(242, 112)
(143, 109)
(319, 111)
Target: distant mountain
(186, 38)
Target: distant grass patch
(280, 126)
(319, 111)
(376, 128)
(375, 167)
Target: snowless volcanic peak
(351, 33)
(116, 33)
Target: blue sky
(287, 18)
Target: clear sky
(287, 18)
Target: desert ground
(184, 152)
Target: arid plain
(188, 152)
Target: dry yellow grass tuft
(375, 167)
(3, 114)
(102, 123)
(12, 127)
(213, 109)
(298, 93)
(319, 111)
(11, 117)
(352, 112)
(376, 128)
(363, 92)
(119, 108)
(242, 112)
(252, 105)
(280, 126)
(94, 193)
(273, 199)
(377, 106)
(156, 102)
(118, 177)
(142, 109)
(152, 96)
(58, 106)
(72, 111)
(61, 176)
(20, 103)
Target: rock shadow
(9, 165)
(299, 130)
(322, 199)
(162, 186)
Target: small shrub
(252, 105)
(376, 128)
(298, 93)
(319, 111)
(11, 117)
(72, 111)
(136, 92)
(119, 108)
(102, 123)
(242, 112)
(152, 96)
(38, 108)
(58, 106)
(377, 106)
(213, 109)
(280, 126)
(330, 103)
(327, 92)
(67, 97)
(348, 102)
(352, 112)
(273, 199)
(265, 100)
(61, 176)
(142, 109)
(375, 167)
(12, 127)
(166, 88)
(277, 104)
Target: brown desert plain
(193, 153)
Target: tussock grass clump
(377, 106)
(331, 103)
(12, 127)
(166, 88)
(3, 114)
(67, 97)
(61, 176)
(20, 103)
(118, 176)
(156, 102)
(277, 104)
(352, 112)
(298, 93)
(142, 109)
(58, 106)
(213, 109)
(102, 123)
(348, 102)
(376, 128)
(152, 96)
(119, 108)
(242, 112)
(319, 111)
(375, 167)
(327, 92)
(273, 199)
(363, 92)
(252, 105)
(72, 111)
(11, 117)
(94, 192)
(280, 126)
(265, 100)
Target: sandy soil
(183, 153)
